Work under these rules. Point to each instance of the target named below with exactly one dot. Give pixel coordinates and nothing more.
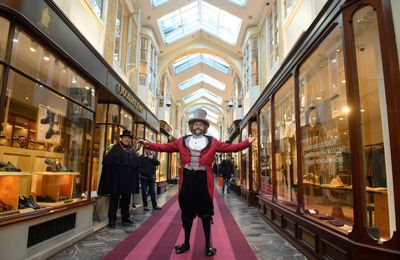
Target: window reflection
(4, 28)
(327, 177)
(266, 151)
(245, 159)
(285, 145)
(33, 59)
(374, 126)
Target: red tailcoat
(206, 155)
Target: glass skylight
(199, 16)
(155, 3)
(201, 77)
(239, 2)
(191, 60)
(202, 93)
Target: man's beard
(197, 131)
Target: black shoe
(111, 224)
(48, 119)
(11, 168)
(182, 248)
(210, 251)
(49, 133)
(145, 209)
(128, 222)
(157, 208)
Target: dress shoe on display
(11, 168)
(2, 164)
(111, 224)
(127, 222)
(182, 248)
(49, 133)
(4, 207)
(32, 202)
(48, 119)
(210, 251)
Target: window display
(4, 28)
(254, 158)
(162, 169)
(266, 151)
(285, 145)
(245, 158)
(44, 134)
(327, 177)
(377, 159)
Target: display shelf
(57, 203)
(15, 174)
(56, 173)
(53, 184)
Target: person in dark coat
(226, 172)
(147, 170)
(118, 178)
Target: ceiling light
(346, 109)
(74, 80)
(46, 55)
(16, 35)
(33, 46)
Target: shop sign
(164, 126)
(130, 98)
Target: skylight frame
(240, 2)
(185, 21)
(192, 60)
(202, 93)
(201, 77)
(155, 3)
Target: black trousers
(124, 201)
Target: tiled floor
(265, 242)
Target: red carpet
(158, 235)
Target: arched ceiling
(200, 38)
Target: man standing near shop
(118, 178)
(196, 182)
(147, 169)
(226, 171)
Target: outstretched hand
(251, 138)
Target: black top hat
(126, 133)
(199, 115)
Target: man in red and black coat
(196, 182)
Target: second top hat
(126, 133)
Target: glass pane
(101, 113)
(4, 28)
(126, 120)
(266, 151)
(49, 132)
(163, 157)
(113, 114)
(327, 177)
(244, 161)
(254, 157)
(285, 145)
(374, 125)
(31, 58)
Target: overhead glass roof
(196, 16)
(202, 93)
(239, 2)
(191, 60)
(155, 3)
(201, 77)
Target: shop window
(254, 157)
(33, 59)
(118, 32)
(113, 114)
(44, 140)
(266, 151)
(163, 157)
(285, 145)
(4, 28)
(374, 126)
(101, 113)
(327, 177)
(245, 158)
(126, 120)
